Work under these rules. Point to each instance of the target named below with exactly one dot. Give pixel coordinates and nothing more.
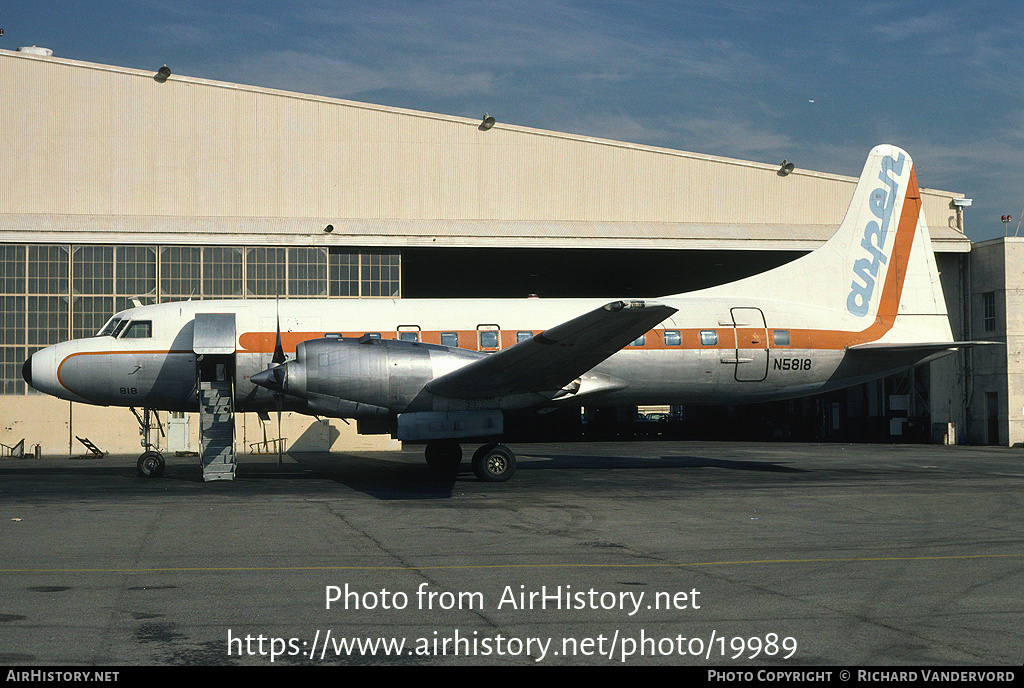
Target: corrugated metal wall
(92, 140)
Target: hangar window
(48, 270)
(709, 337)
(222, 272)
(307, 271)
(673, 338)
(181, 271)
(135, 268)
(989, 303)
(47, 319)
(449, 339)
(266, 271)
(780, 337)
(139, 329)
(12, 269)
(379, 274)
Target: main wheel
(494, 463)
(443, 455)
(151, 465)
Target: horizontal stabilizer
(922, 347)
(554, 358)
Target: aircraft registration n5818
(866, 304)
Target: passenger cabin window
(139, 329)
(709, 337)
(523, 335)
(673, 338)
(449, 339)
(639, 341)
(780, 337)
(408, 336)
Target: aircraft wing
(554, 358)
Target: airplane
(866, 304)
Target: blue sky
(816, 83)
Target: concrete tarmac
(610, 553)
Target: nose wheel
(151, 465)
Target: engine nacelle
(363, 378)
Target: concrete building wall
(949, 375)
(996, 401)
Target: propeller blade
(278, 349)
(279, 402)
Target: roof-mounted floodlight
(963, 202)
(162, 74)
(487, 123)
(786, 168)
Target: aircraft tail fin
(876, 277)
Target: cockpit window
(139, 329)
(109, 328)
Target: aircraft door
(488, 337)
(214, 333)
(213, 341)
(751, 334)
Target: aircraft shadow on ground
(661, 463)
(381, 477)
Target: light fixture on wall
(786, 168)
(487, 123)
(162, 74)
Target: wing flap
(554, 358)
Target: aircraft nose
(40, 372)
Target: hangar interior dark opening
(575, 273)
(636, 273)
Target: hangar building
(122, 187)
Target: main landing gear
(492, 463)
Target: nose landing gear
(151, 464)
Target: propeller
(278, 349)
(278, 359)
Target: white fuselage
(710, 351)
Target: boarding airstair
(217, 429)
(214, 346)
